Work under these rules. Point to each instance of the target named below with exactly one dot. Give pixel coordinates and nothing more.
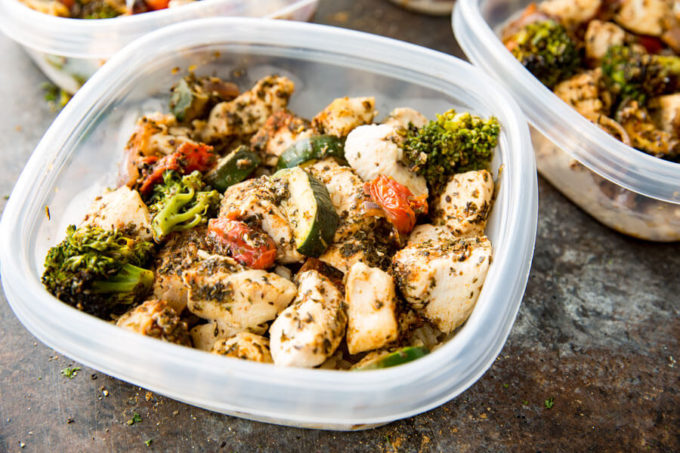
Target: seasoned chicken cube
(181, 252)
(646, 17)
(582, 92)
(570, 12)
(370, 247)
(245, 346)
(442, 280)
(154, 318)
(204, 336)
(600, 36)
(281, 130)
(311, 328)
(429, 233)
(371, 309)
(248, 112)
(121, 209)
(242, 299)
(464, 205)
(344, 114)
(255, 202)
(403, 117)
(373, 150)
(666, 112)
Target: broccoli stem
(130, 279)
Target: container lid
(101, 38)
(600, 152)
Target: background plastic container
(79, 153)
(69, 51)
(626, 189)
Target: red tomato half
(399, 204)
(189, 157)
(249, 246)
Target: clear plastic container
(433, 7)
(79, 153)
(69, 51)
(625, 189)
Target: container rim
(74, 38)
(603, 154)
(505, 285)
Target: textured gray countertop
(597, 334)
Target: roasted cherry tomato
(157, 4)
(247, 245)
(189, 157)
(399, 204)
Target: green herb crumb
(136, 418)
(525, 403)
(549, 403)
(148, 442)
(506, 385)
(70, 372)
(56, 97)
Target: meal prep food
(245, 230)
(100, 9)
(616, 63)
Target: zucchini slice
(312, 148)
(398, 357)
(232, 168)
(309, 210)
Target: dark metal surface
(597, 334)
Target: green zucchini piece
(232, 168)
(398, 357)
(309, 210)
(312, 148)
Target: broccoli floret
(179, 203)
(98, 271)
(632, 74)
(546, 50)
(453, 143)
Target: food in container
(626, 189)
(87, 137)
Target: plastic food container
(69, 51)
(434, 7)
(78, 155)
(625, 189)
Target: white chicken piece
(344, 114)
(582, 92)
(281, 130)
(121, 209)
(255, 201)
(600, 36)
(442, 280)
(242, 299)
(570, 12)
(371, 309)
(311, 328)
(428, 232)
(402, 117)
(245, 346)
(646, 17)
(666, 112)
(204, 336)
(373, 150)
(51, 7)
(154, 318)
(248, 112)
(464, 205)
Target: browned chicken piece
(245, 346)
(570, 12)
(281, 130)
(582, 92)
(600, 36)
(155, 318)
(646, 17)
(121, 209)
(344, 114)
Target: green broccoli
(630, 73)
(98, 271)
(179, 203)
(453, 143)
(546, 50)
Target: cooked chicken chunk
(373, 150)
(402, 117)
(344, 114)
(281, 130)
(427, 232)
(582, 92)
(645, 17)
(464, 205)
(666, 112)
(254, 201)
(371, 307)
(245, 346)
(204, 336)
(121, 209)
(241, 299)
(154, 318)
(51, 7)
(570, 12)
(442, 280)
(600, 36)
(249, 111)
(311, 328)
